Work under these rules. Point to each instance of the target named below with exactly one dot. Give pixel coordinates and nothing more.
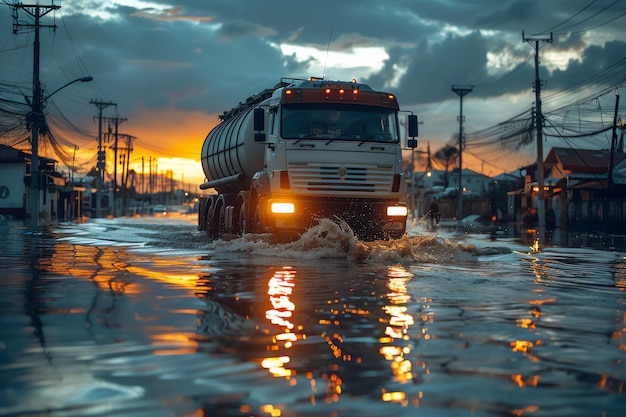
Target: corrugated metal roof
(582, 160)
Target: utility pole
(116, 121)
(461, 91)
(100, 166)
(36, 11)
(541, 206)
(613, 141)
(155, 181)
(126, 167)
(150, 179)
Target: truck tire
(221, 223)
(242, 221)
(257, 219)
(208, 227)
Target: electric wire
(568, 19)
(565, 30)
(599, 25)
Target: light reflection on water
(134, 320)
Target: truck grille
(337, 179)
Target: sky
(171, 67)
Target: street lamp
(461, 91)
(82, 80)
(37, 118)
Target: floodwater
(145, 317)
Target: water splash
(332, 240)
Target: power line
(568, 19)
(600, 24)
(590, 17)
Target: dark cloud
(433, 69)
(207, 56)
(506, 14)
(231, 31)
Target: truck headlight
(397, 211)
(283, 208)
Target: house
(578, 191)
(443, 186)
(579, 167)
(15, 175)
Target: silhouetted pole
(126, 168)
(36, 11)
(461, 91)
(100, 165)
(613, 141)
(117, 121)
(541, 204)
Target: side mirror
(413, 125)
(411, 143)
(259, 125)
(259, 119)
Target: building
(482, 194)
(579, 192)
(15, 175)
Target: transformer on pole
(101, 164)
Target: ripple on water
(325, 325)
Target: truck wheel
(243, 221)
(214, 221)
(257, 220)
(208, 227)
(220, 230)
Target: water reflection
(40, 358)
(572, 239)
(396, 344)
(318, 331)
(131, 330)
(280, 289)
(556, 312)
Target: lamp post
(36, 121)
(461, 91)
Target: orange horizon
(172, 140)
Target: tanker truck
(304, 150)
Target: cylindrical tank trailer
(304, 150)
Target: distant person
(434, 214)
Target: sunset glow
(171, 68)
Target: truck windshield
(343, 122)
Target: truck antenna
(327, 49)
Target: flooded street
(145, 317)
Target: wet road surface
(144, 317)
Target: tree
(447, 155)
